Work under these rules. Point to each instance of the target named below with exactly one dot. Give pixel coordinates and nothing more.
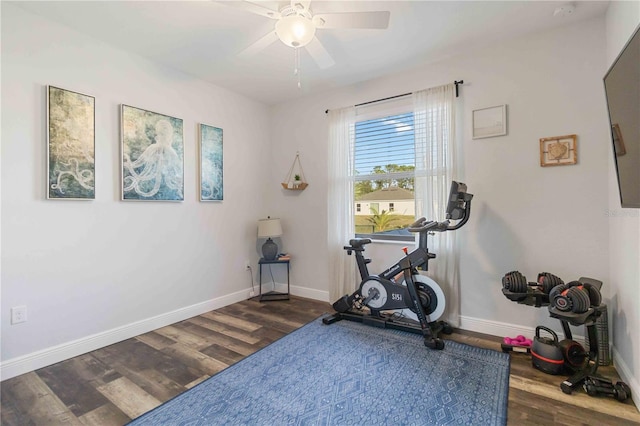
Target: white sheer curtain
(436, 167)
(340, 222)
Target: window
(384, 172)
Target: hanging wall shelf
(295, 180)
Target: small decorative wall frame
(152, 156)
(558, 151)
(489, 122)
(70, 145)
(618, 142)
(211, 163)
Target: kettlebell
(546, 354)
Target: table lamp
(268, 228)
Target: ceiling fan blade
(304, 4)
(319, 54)
(259, 45)
(357, 20)
(256, 8)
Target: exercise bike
(384, 300)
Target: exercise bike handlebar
(423, 225)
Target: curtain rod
(456, 82)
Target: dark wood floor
(113, 385)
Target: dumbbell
(515, 282)
(574, 297)
(594, 386)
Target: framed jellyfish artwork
(70, 145)
(211, 188)
(152, 156)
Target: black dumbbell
(548, 281)
(574, 297)
(596, 386)
(515, 282)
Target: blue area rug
(348, 374)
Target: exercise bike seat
(358, 242)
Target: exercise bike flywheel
(431, 297)
(374, 293)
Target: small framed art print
(490, 122)
(211, 163)
(558, 151)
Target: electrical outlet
(18, 314)
(247, 265)
(252, 293)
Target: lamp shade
(295, 30)
(269, 228)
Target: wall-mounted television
(622, 87)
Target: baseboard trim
(496, 328)
(493, 328)
(625, 374)
(310, 293)
(42, 358)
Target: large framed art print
(70, 145)
(152, 156)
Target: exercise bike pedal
(434, 343)
(446, 327)
(343, 304)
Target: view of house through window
(384, 167)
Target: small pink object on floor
(519, 340)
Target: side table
(274, 295)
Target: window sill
(377, 240)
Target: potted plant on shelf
(295, 179)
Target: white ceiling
(203, 38)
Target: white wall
(86, 268)
(624, 228)
(524, 216)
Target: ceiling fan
(296, 26)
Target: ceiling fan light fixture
(295, 30)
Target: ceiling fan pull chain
(296, 68)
